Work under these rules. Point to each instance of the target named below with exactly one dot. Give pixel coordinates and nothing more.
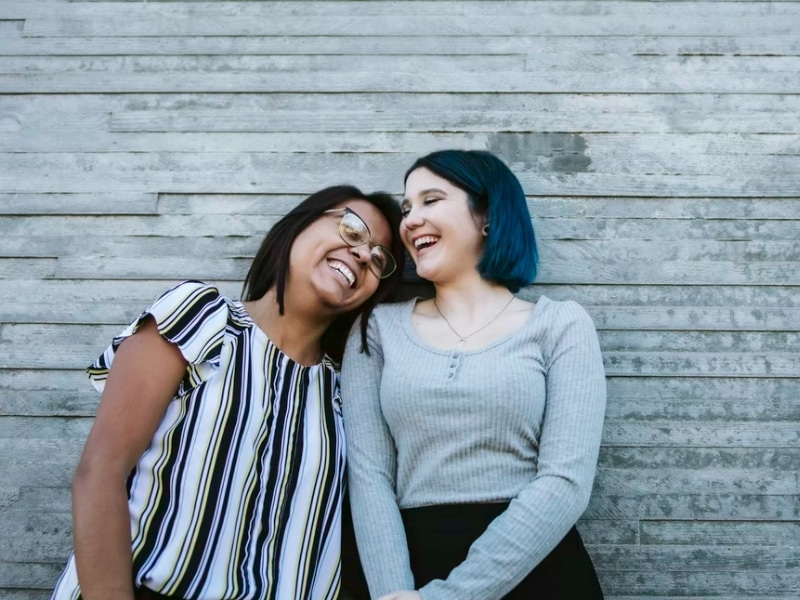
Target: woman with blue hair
(473, 418)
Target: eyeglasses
(354, 231)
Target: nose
(361, 253)
(412, 220)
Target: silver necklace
(463, 338)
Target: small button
(454, 365)
(449, 375)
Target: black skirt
(439, 538)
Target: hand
(402, 595)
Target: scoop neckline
(408, 328)
(325, 361)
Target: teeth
(428, 239)
(344, 270)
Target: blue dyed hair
(494, 193)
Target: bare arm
(143, 379)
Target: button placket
(454, 360)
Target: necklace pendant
(460, 343)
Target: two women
(474, 418)
(215, 466)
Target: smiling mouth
(425, 241)
(342, 268)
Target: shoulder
(562, 311)
(562, 321)
(392, 313)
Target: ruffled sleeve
(193, 316)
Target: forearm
(102, 538)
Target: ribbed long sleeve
(519, 420)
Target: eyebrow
(428, 191)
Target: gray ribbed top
(519, 420)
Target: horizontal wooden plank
(43, 428)
(21, 594)
(42, 381)
(34, 536)
(716, 507)
(41, 499)
(706, 364)
(712, 82)
(640, 20)
(29, 135)
(650, 341)
(29, 575)
(629, 482)
(312, 63)
(681, 121)
(646, 408)
(669, 45)
(709, 533)
(330, 8)
(723, 434)
(132, 246)
(700, 317)
(645, 65)
(78, 204)
(771, 584)
(703, 390)
(643, 297)
(693, 558)
(79, 402)
(56, 110)
(783, 460)
(265, 173)
(45, 463)
(609, 531)
(11, 268)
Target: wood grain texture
(658, 143)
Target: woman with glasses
(215, 466)
(474, 420)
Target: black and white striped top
(239, 494)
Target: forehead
(422, 181)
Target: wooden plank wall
(659, 142)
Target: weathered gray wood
(723, 433)
(702, 583)
(748, 45)
(694, 558)
(724, 534)
(700, 481)
(454, 8)
(265, 173)
(658, 143)
(304, 63)
(78, 204)
(639, 20)
(716, 459)
(724, 507)
(531, 81)
(48, 108)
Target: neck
(297, 333)
(472, 298)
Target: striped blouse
(239, 494)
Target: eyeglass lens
(355, 232)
